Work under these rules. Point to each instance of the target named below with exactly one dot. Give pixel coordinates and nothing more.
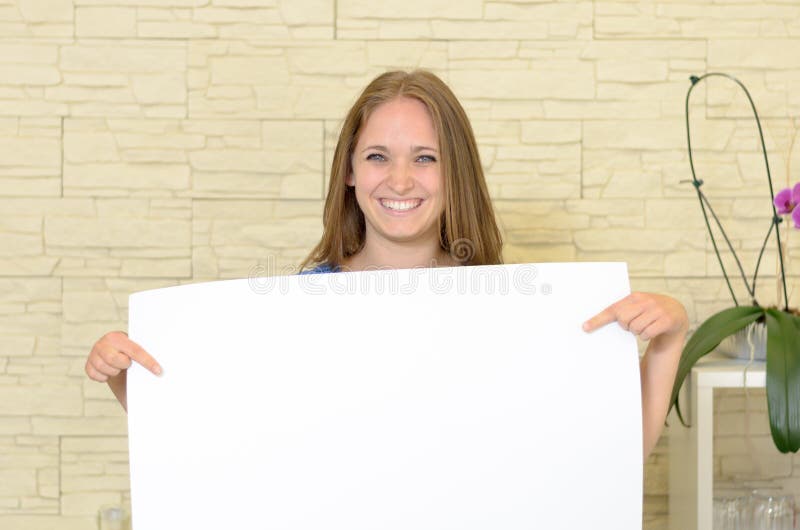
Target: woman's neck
(392, 255)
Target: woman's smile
(400, 206)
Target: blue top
(321, 269)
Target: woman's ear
(350, 180)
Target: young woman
(406, 184)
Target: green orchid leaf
(678, 410)
(707, 337)
(783, 379)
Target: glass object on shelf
(760, 510)
(769, 511)
(728, 512)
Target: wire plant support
(706, 208)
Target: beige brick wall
(146, 143)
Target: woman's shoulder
(322, 268)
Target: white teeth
(401, 205)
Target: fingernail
(585, 326)
(157, 370)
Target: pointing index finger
(138, 354)
(606, 316)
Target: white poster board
(461, 398)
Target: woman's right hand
(109, 359)
(115, 352)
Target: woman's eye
(426, 158)
(376, 157)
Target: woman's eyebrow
(414, 148)
(376, 147)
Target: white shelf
(691, 463)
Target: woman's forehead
(399, 117)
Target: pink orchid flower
(786, 202)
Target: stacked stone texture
(149, 143)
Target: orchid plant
(783, 325)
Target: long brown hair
(468, 227)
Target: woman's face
(397, 173)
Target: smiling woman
(406, 182)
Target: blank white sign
(423, 399)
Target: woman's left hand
(662, 319)
(646, 315)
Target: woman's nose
(401, 178)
